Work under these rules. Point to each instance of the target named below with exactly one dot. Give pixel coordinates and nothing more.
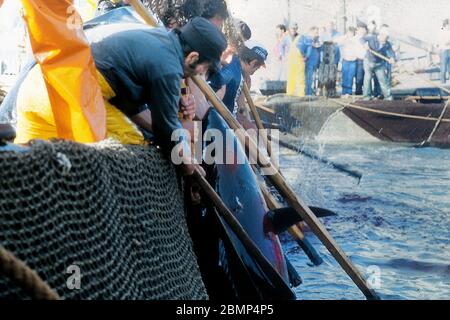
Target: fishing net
(114, 213)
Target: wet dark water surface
(394, 225)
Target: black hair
(213, 8)
(246, 55)
(187, 49)
(445, 23)
(282, 27)
(182, 12)
(168, 16)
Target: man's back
(132, 60)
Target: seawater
(394, 225)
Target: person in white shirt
(444, 46)
(349, 52)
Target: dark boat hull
(401, 129)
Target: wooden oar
(291, 198)
(282, 186)
(143, 12)
(257, 118)
(248, 243)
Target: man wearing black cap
(145, 67)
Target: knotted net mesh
(114, 212)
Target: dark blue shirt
(144, 67)
(375, 45)
(230, 76)
(311, 53)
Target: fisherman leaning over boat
(138, 70)
(230, 81)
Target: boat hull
(401, 128)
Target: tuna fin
(279, 220)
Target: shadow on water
(419, 266)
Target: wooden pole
(282, 186)
(257, 118)
(248, 243)
(143, 12)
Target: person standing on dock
(282, 51)
(294, 31)
(330, 35)
(390, 54)
(310, 47)
(375, 65)
(361, 52)
(349, 50)
(444, 47)
(296, 70)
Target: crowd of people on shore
(364, 54)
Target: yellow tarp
(296, 71)
(63, 52)
(35, 119)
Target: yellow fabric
(296, 71)
(35, 119)
(62, 50)
(88, 11)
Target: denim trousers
(359, 77)
(379, 69)
(310, 71)
(348, 74)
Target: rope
(400, 115)
(438, 123)
(24, 277)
